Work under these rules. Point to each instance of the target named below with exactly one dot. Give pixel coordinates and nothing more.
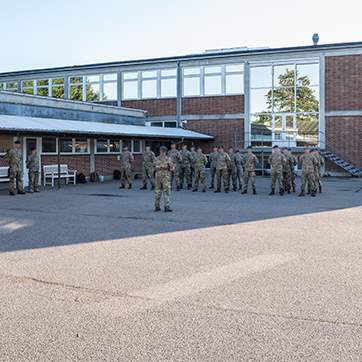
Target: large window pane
(112, 76)
(213, 69)
(307, 99)
(149, 74)
(93, 78)
(234, 68)
(42, 82)
(114, 146)
(93, 92)
(130, 90)
(213, 85)
(149, 88)
(130, 75)
(168, 87)
(192, 86)
(192, 71)
(128, 144)
(234, 84)
(261, 77)
(284, 75)
(66, 145)
(168, 72)
(76, 93)
(307, 130)
(170, 124)
(109, 91)
(44, 92)
(49, 145)
(102, 145)
(284, 99)
(260, 100)
(261, 130)
(136, 146)
(308, 74)
(58, 91)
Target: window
(192, 82)
(234, 79)
(156, 124)
(168, 124)
(128, 144)
(149, 88)
(212, 80)
(102, 145)
(49, 145)
(168, 83)
(42, 87)
(81, 145)
(57, 88)
(130, 85)
(76, 88)
(11, 86)
(172, 124)
(66, 145)
(92, 86)
(109, 92)
(27, 86)
(136, 146)
(114, 146)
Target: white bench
(51, 172)
(4, 174)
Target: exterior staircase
(352, 170)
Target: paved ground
(91, 273)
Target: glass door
(284, 130)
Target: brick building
(294, 97)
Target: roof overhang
(23, 124)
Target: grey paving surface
(91, 273)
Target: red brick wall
(106, 164)
(154, 107)
(213, 105)
(344, 137)
(344, 83)
(226, 132)
(81, 163)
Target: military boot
(227, 190)
(217, 190)
(12, 193)
(281, 192)
(21, 192)
(254, 191)
(244, 192)
(301, 194)
(189, 187)
(144, 187)
(195, 190)
(313, 194)
(168, 209)
(122, 186)
(234, 189)
(211, 187)
(272, 192)
(129, 186)
(320, 189)
(293, 188)
(157, 208)
(204, 189)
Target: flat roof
(204, 55)
(62, 126)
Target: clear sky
(46, 33)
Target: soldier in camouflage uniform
(223, 163)
(239, 168)
(294, 162)
(127, 160)
(200, 170)
(276, 161)
(163, 167)
(193, 155)
(175, 156)
(185, 170)
(250, 162)
(308, 162)
(288, 168)
(148, 158)
(318, 171)
(14, 158)
(32, 164)
(232, 172)
(212, 158)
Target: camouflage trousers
(308, 179)
(33, 181)
(292, 180)
(239, 175)
(212, 176)
(249, 175)
(175, 177)
(232, 176)
(224, 174)
(287, 176)
(277, 175)
(185, 174)
(162, 187)
(147, 175)
(15, 181)
(200, 178)
(126, 176)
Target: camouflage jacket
(175, 156)
(238, 159)
(126, 159)
(233, 161)
(14, 158)
(163, 166)
(186, 157)
(148, 158)
(223, 161)
(277, 161)
(32, 163)
(250, 162)
(212, 158)
(193, 157)
(200, 161)
(308, 162)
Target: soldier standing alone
(15, 174)
(126, 159)
(250, 162)
(32, 164)
(147, 168)
(200, 170)
(212, 158)
(277, 161)
(163, 167)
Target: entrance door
(284, 132)
(29, 143)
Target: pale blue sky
(44, 33)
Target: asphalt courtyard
(91, 273)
